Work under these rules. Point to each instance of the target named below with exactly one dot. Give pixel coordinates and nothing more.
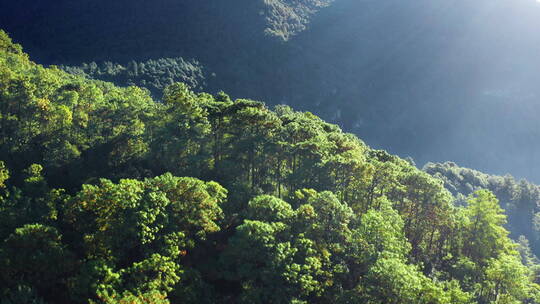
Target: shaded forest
(418, 78)
(154, 75)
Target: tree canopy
(107, 196)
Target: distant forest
(154, 75)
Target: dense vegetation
(278, 206)
(520, 199)
(154, 75)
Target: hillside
(437, 81)
(278, 206)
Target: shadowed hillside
(451, 80)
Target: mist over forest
(270, 151)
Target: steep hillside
(451, 80)
(274, 206)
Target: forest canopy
(107, 196)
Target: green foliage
(268, 208)
(153, 297)
(518, 198)
(382, 234)
(4, 174)
(127, 221)
(280, 206)
(95, 278)
(506, 280)
(271, 264)
(484, 232)
(155, 273)
(6, 45)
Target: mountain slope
(279, 206)
(453, 80)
